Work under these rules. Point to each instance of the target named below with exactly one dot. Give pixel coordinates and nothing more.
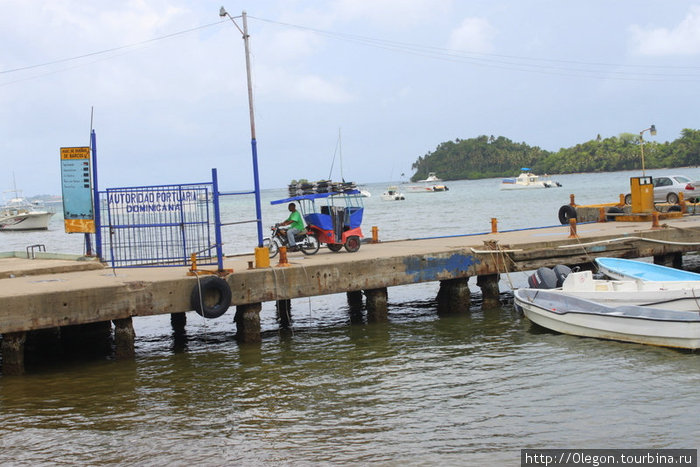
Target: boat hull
(578, 317)
(26, 221)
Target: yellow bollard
(375, 234)
(283, 257)
(572, 228)
(601, 215)
(262, 257)
(494, 225)
(571, 200)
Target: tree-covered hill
(486, 157)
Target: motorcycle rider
(296, 224)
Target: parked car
(667, 188)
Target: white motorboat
(669, 295)
(430, 184)
(580, 317)
(20, 214)
(528, 180)
(392, 193)
(619, 268)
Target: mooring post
(124, 337)
(671, 260)
(489, 290)
(377, 309)
(13, 353)
(248, 323)
(284, 312)
(454, 295)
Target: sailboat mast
(340, 152)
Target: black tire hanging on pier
(207, 290)
(566, 212)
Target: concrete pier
(43, 294)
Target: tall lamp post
(652, 132)
(256, 179)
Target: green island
(490, 157)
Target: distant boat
(527, 180)
(428, 185)
(392, 193)
(619, 268)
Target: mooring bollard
(601, 215)
(655, 220)
(262, 257)
(571, 200)
(494, 225)
(681, 201)
(283, 257)
(375, 234)
(572, 228)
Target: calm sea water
(469, 389)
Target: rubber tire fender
(566, 212)
(205, 287)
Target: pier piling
(248, 323)
(284, 313)
(13, 353)
(454, 295)
(124, 337)
(489, 290)
(377, 309)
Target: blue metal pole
(96, 197)
(258, 210)
(217, 220)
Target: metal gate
(158, 225)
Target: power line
(527, 64)
(113, 49)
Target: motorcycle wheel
(310, 245)
(352, 244)
(272, 246)
(335, 246)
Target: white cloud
(473, 35)
(684, 39)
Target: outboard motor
(561, 271)
(543, 278)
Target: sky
(362, 87)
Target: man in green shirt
(296, 225)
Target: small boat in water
(628, 323)
(619, 268)
(430, 184)
(392, 193)
(19, 214)
(528, 180)
(669, 295)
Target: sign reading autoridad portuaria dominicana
(77, 190)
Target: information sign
(77, 190)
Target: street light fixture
(256, 179)
(652, 132)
